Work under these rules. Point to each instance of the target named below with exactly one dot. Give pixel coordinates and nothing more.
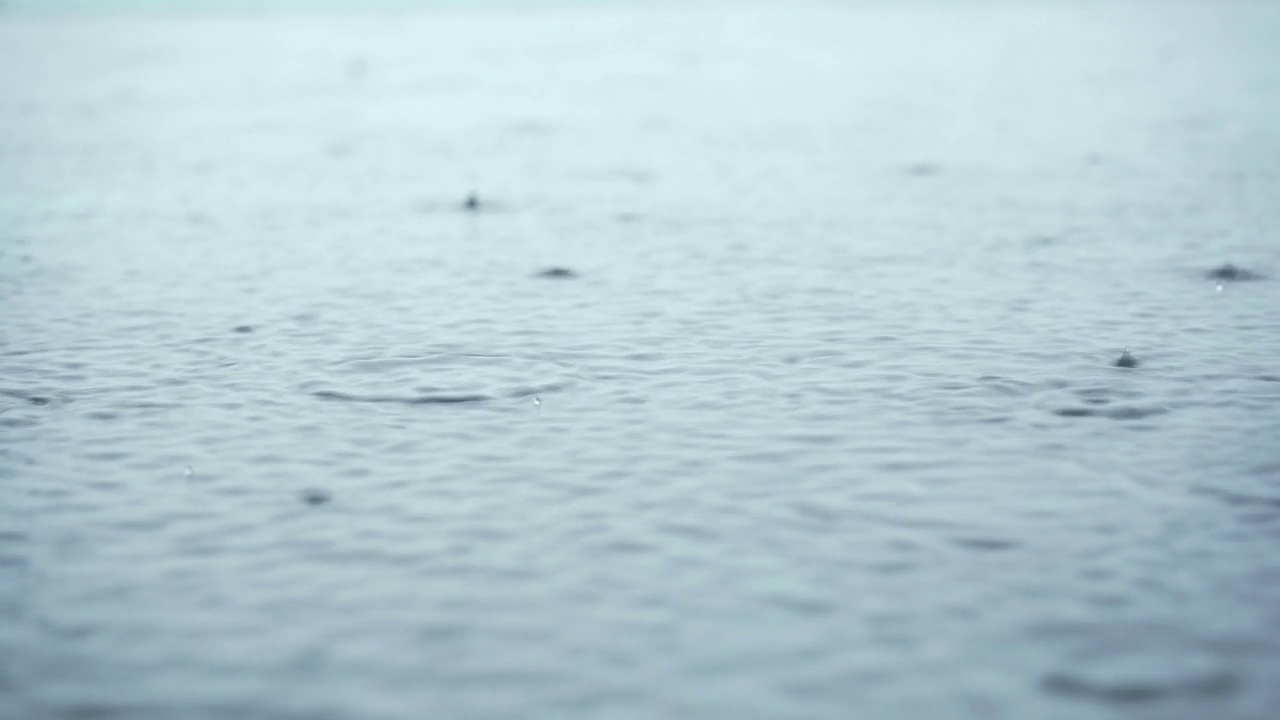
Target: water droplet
(315, 496)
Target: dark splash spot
(314, 496)
(242, 329)
(1103, 395)
(1126, 360)
(986, 544)
(401, 399)
(1112, 413)
(557, 273)
(1232, 273)
(1125, 693)
(1132, 413)
(1118, 691)
(472, 203)
(27, 397)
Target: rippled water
(823, 422)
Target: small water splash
(557, 273)
(1228, 272)
(1126, 360)
(432, 399)
(537, 402)
(188, 472)
(315, 496)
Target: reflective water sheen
(771, 374)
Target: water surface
(823, 423)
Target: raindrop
(557, 273)
(315, 496)
(1126, 360)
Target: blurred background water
(355, 6)
(820, 420)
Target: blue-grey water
(824, 423)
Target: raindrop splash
(314, 496)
